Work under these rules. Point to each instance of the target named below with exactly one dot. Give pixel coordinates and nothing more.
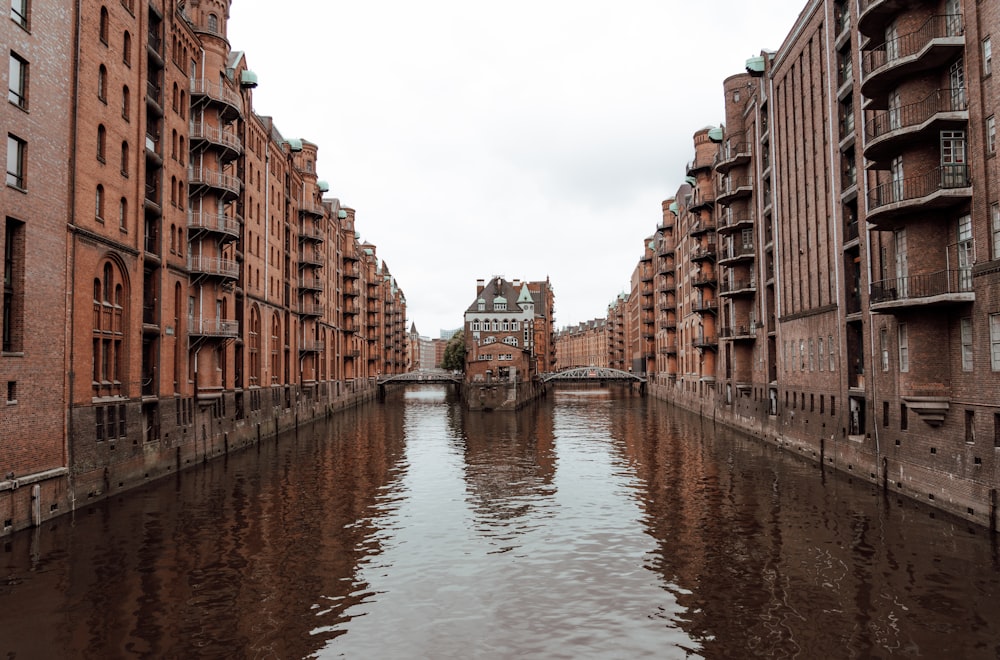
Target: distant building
(508, 331)
(582, 345)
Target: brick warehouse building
(843, 229)
(179, 286)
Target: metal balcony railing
(200, 327)
(890, 52)
(916, 187)
(915, 114)
(927, 285)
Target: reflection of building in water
(509, 468)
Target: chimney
(517, 284)
(480, 285)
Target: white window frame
(995, 228)
(903, 345)
(987, 56)
(995, 342)
(883, 340)
(965, 329)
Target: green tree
(454, 353)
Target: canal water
(596, 524)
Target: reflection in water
(595, 524)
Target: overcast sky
(528, 139)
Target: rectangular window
(822, 359)
(13, 285)
(987, 56)
(996, 429)
(995, 342)
(970, 427)
(966, 332)
(16, 161)
(904, 348)
(995, 228)
(11, 392)
(19, 12)
(17, 81)
(802, 354)
(883, 340)
(99, 423)
(885, 413)
(812, 355)
(829, 341)
(904, 422)
(991, 134)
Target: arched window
(173, 239)
(125, 158)
(180, 241)
(173, 144)
(174, 99)
(109, 331)
(173, 190)
(254, 339)
(126, 102)
(127, 48)
(123, 214)
(102, 83)
(180, 154)
(102, 138)
(104, 26)
(275, 354)
(213, 23)
(183, 109)
(99, 203)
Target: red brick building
(205, 294)
(582, 345)
(835, 249)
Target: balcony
(703, 279)
(312, 209)
(226, 143)
(153, 154)
(350, 270)
(310, 232)
(734, 188)
(669, 284)
(670, 348)
(733, 222)
(229, 103)
(311, 284)
(887, 131)
(311, 346)
(941, 187)
(945, 287)
(704, 202)
(741, 332)
(199, 327)
(738, 287)
(875, 15)
(214, 266)
(310, 308)
(154, 98)
(226, 184)
(216, 223)
(706, 306)
(732, 155)
(313, 258)
(702, 226)
(939, 40)
(704, 341)
(704, 252)
(737, 253)
(698, 165)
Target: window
(102, 83)
(17, 85)
(995, 228)
(13, 285)
(995, 342)
(99, 203)
(213, 23)
(19, 12)
(108, 331)
(970, 427)
(123, 214)
(126, 102)
(127, 48)
(966, 332)
(883, 337)
(104, 26)
(125, 159)
(987, 56)
(102, 139)
(966, 253)
(17, 155)
(822, 359)
(812, 355)
(991, 134)
(802, 355)
(904, 348)
(904, 422)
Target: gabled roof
(498, 290)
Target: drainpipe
(71, 266)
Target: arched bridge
(591, 374)
(422, 377)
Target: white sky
(520, 138)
